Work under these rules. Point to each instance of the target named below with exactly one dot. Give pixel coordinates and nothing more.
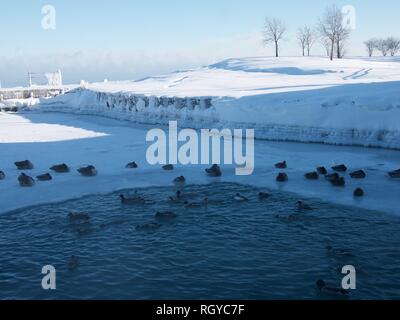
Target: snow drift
(349, 101)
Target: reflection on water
(261, 249)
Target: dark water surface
(227, 250)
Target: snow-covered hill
(349, 101)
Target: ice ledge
(204, 112)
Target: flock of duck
(215, 171)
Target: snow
(52, 138)
(9, 103)
(344, 102)
(351, 101)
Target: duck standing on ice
(322, 170)
(360, 174)
(89, 171)
(340, 168)
(44, 177)
(132, 165)
(26, 181)
(60, 168)
(312, 176)
(24, 165)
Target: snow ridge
(202, 112)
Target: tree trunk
(339, 56)
(332, 49)
(304, 51)
(308, 51)
(276, 49)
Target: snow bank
(349, 101)
(52, 138)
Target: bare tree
(393, 45)
(327, 45)
(371, 45)
(382, 46)
(342, 35)
(273, 32)
(310, 39)
(301, 36)
(332, 29)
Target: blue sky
(123, 39)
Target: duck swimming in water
(282, 177)
(132, 200)
(338, 252)
(89, 171)
(214, 171)
(166, 215)
(263, 195)
(26, 181)
(358, 193)
(78, 217)
(73, 263)
(281, 165)
(312, 176)
(240, 198)
(395, 174)
(340, 168)
(152, 226)
(2, 175)
(180, 180)
(360, 174)
(177, 197)
(44, 177)
(287, 218)
(303, 206)
(168, 167)
(24, 165)
(132, 165)
(60, 168)
(322, 287)
(322, 170)
(201, 204)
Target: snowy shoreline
(348, 102)
(51, 138)
(338, 104)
